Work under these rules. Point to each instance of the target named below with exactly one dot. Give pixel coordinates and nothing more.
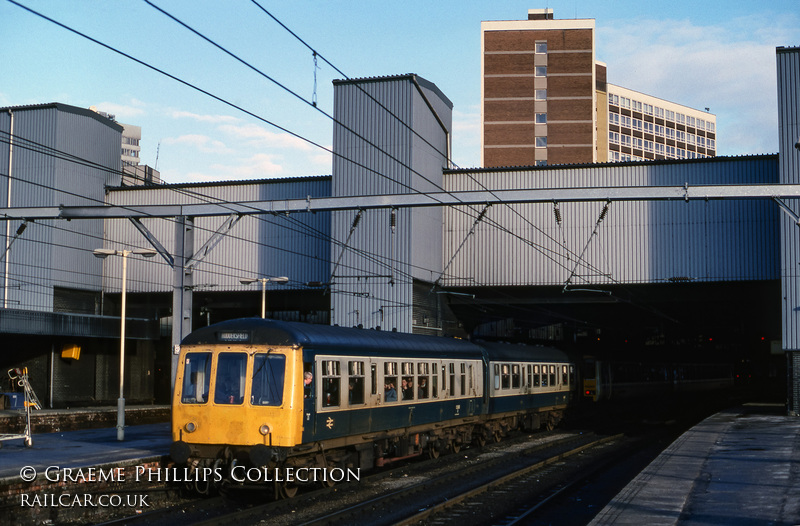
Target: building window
(540, 71)
(613, 137)
(541, 142)
(540, 163)
(540, 94)
(541, 47)
(541, 118)
(613, 118)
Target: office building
(545, 100)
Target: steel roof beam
(326, 204)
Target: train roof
(512, 352)
(326, 338)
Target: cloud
(728, 68)
(258, 166)
(202, 143)
(180, 114)
(259, 137)
(122, 112)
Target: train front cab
(242, 395)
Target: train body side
(241, 393)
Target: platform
(85, 448)
(738, 467)
(80, 418)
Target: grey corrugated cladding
(636, 242)
(788, 62)
(391, 136)
(61, 155)
(296, 246)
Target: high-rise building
(545, 100)
(133, 173)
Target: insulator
(603, 213)
(557, 213)
(356, 220)
(394, 218)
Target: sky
(715, 54)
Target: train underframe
(232, 466)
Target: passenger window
(529, 376)
(229, 386)
(564, 376)
(496, 377)
(331, 383)
(452, 379)
(423, 371)
(196, 377)
(552, 376)
(544, 376)
(506, 376)
(268, 375)
(407, 382)
(515, 376)
(355, 390)
(463, 379)
(373, 370)
(434, 382)
(536, 376)
(390, 382)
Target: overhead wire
(197, 88)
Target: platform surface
(85, 448)
(738, 467)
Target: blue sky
(712, 54)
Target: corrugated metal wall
(636, 242)
(374, 268)
(52, 254)
(296, 246)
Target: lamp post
(103, 253)
(263, 281)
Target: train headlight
(264, 429)
(190, 427)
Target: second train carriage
(242, 396)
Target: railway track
(545, 478)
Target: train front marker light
(190, 427)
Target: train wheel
(455, 447)
(497, 436)
(327, 481)
(549, 425)
(480, 440)
(287, 490)
(433, 450)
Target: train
(287, 395)
(619, 380)
(261, 393)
